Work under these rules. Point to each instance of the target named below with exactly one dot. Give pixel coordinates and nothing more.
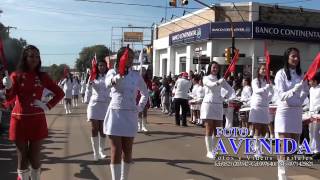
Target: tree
(87, 54)
(57, 71)
(12, 48)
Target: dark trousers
(183, 103)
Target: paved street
(166, 152)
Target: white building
(207, 32)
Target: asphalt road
(166, 152)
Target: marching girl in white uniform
(121, 121)
(212, 105)
(67, 89)
(83, 88)
(197, 95)
(75, 91)
(314, 109)
(97, 109)
(259, 105)
(245, 98)
(292, 92)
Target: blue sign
(223, 30)
(285, 32)
(198, 33)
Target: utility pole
(231, 24)
(9, 27)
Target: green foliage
(12, 48)
(87, 54)
(57, 71)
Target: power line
(64, 31)
(131, 4)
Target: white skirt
(288, 120)
(259, 115)
(121, 122)
(68, 94)
(97, 110)
(211, 111)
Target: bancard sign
(198, 33)
(133, 36)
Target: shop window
(164, 66)
(183, 64)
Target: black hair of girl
(286, 63)
(105, 63)
(119, 54)
(248, 80)
(69, 76)
(196, 78)
(209, 68)
(259, 76)
(317, 77)
(23, 65)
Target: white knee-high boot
(115, 171)
(102, 143)
(69, 108)
(281, 170)
(95, 147)
(144, 122)
(208, 140)
(23, 174)
(139, 124)
(229, 118)
(35, 174)
(66, 108)
(125, 167)
(256, 147)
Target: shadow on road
(178, 163)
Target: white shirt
(284, 89)
(246, 94)
(76, 88)
(182, 88)
(262, 95)
(213, 90)
(97, 91)
(124, 93)
(314, 99)
(197, 93)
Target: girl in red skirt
(28, 126)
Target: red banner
(232, 66)
(313, 68)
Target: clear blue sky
(61, 28)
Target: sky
(61, 28)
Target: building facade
(203, 36)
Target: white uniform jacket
(75, 88)
(213, 90)
(124, 93)
(246, 94)
(261, 96)
(288, 98)
(67, 87)
(314, 100)
(197, 93)
(97, 91)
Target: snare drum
(235, 104)
(315, 118)
(272, 109)
(244, 114)
(306, 118)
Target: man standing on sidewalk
(182, 87)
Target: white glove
(6, 81)
(317, 108)
(268, 86)
(40, 104)
(297, 87)
(220, 81)
(116, 79)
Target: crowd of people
(118, 99)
